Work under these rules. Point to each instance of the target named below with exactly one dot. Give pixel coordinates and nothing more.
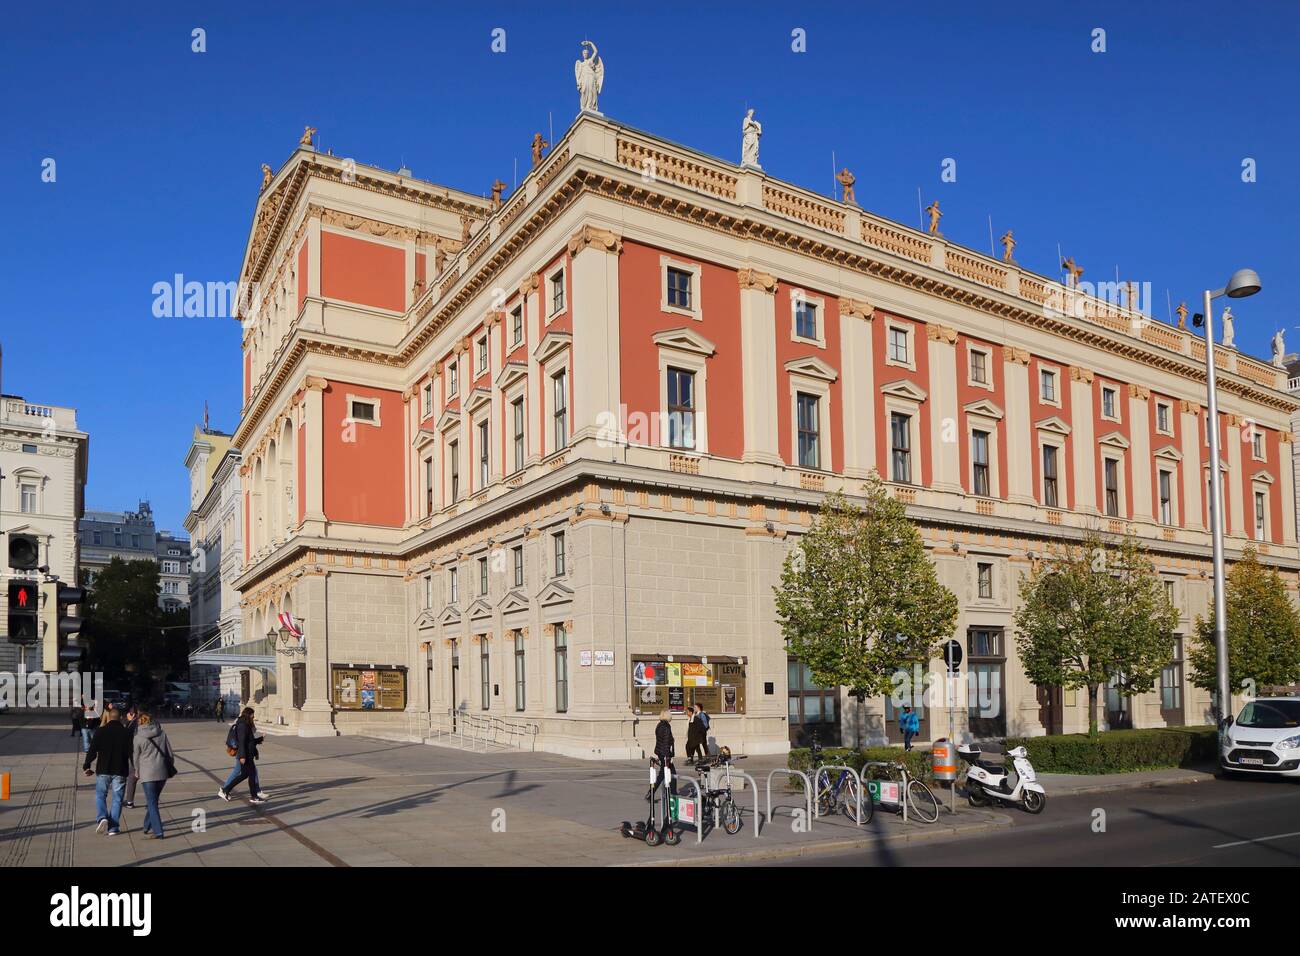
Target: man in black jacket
(110, 748)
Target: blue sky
(1128, 158)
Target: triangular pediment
(1114, 438)
(813, 367)
(423, 437)
(450, 615)
(450, 418)
(514, 602)
(554, 593)
(685, 340)
(479, 609)
(511, 374)
(1169, 452)
(1053, 423)
(984, 408)
(1263, 476)
(426, 619)
(552, 344)
(477, 399)
(902, 388)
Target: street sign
(952, 656)
(884, 791)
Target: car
(1264, 739)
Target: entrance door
(986, 695)
(1171, 689)
(812, 708)
(245, 686)
(455, 683)
(1050, 712)
(1118, 714)
(299, 674)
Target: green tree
(1094, 612)
(127, 635)
(1263, 630)
(859, 599)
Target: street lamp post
(1244, 282)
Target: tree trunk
(1092, 709)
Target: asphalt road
(1211, 823)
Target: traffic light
(23, 598)
(24, 552)
(58, 627)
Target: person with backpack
(241, 743)
(705, 723)
(695, 734)
(909, 724)
(155, 764)
(110, 748)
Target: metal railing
(480, 732)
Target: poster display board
(719, 686)
(364, 687)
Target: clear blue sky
(1129, 158)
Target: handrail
(856, 776)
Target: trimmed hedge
(917, 761)
(1121, 751)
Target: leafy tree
(859, 599)
(1263, 630)
(127, 635)
(1093, 612)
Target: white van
(1263, 739)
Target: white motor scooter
(987, 782)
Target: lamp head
(1244, 282)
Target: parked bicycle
(843, 795)
(715, 790)
(920, 799)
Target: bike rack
(902, 792)
(807, 792)
(856, 776)
(698, 800)
(753, 785)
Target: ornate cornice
(753, 279)
(592, 237)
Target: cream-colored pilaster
(496, 456)
(313, 257)
(314, 456)
(859, 412)
(1193, 467)
(1286, 468)
(1140, 453)
(944, 433)
(1084, 443)
(410, 272)
(758, 357)
(1232, 480)
(597, 390)
(1020, 443)
(311, 601)
(535, 401)
(464, 429)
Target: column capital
(1188, 407)
(529, 284)
(1016, 356)
(857, 309)
(593, 237)
(937, 333)
(753, 279)
(1140, 392)
(494, 317)
(314, 383)
(1083, 375)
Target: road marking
(1279, 836)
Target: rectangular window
(426, 401)
(428, 591)
(557, 543)
(809, 430)
(561, 416)
(517, 325)
(681, 408)
(1047, 385)
(984, 579)
(557, 292)
(521, 697)
(517, 554)
(428, 486)
(98, 538)
(453, 456)
(453, 379)
(1108, 402)
(1050, 498)
(29, 448)
(483, 454)
(135, 541)
(1260, 508)
(805, 319)
(679, 288)
(484, 672)
(453, 586)
(482, 577)
(900, 442)
(482, 354)
(1162, 417)
(363, 411)
(1166, 498)
(28, 505)
(517, 413)
(979, 453)
(1110, 471)
(1257, 444)
(898, 351)
(561, 669)
(979, 367)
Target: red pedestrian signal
(22, 611)
(22, 597)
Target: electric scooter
(646, 830)
(989, 782)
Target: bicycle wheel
(922, 802)
(731, 821)
(825, 799)
(850, 806)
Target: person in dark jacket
(152, 760)
(77, 714)
(132, 724)
(666, 746)
(246, 741)
(110, 748)
(696, 741)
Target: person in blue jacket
(909, 724)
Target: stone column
(859, 376)
(597, 391)
(1286, 470)
(496, 457)
(534, 401)
(762, 405)
(314, 473)
(1232, 482)
(1193, 468)
(1140, 451)
(946, 455)
(1019, 440)
(312, 594)
(1084, 466)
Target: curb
(1119, 786)
(824, 846)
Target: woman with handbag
(156, 764)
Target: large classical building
(43, 461)
(536, 463)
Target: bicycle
(715, 789)
(920, 799)
(843, 795)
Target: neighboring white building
(215, 528)
(43, 458)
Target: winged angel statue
(590, 74)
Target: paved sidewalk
(355, 801)
(1067, 784)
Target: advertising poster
(674, 675)
(677, 699)
(697, 675)
(369, 688)
(392, 690)
(728, 699)
(710, 698)
(649, 673)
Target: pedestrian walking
(132, 723)
(695, 734)
(110, 749)
(87, 724)
(245, 744)
(909, 724)
(219, 709)
(155, 764)
(706, 722)
(666, 746)
(78, 714)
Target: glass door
(812, 708)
